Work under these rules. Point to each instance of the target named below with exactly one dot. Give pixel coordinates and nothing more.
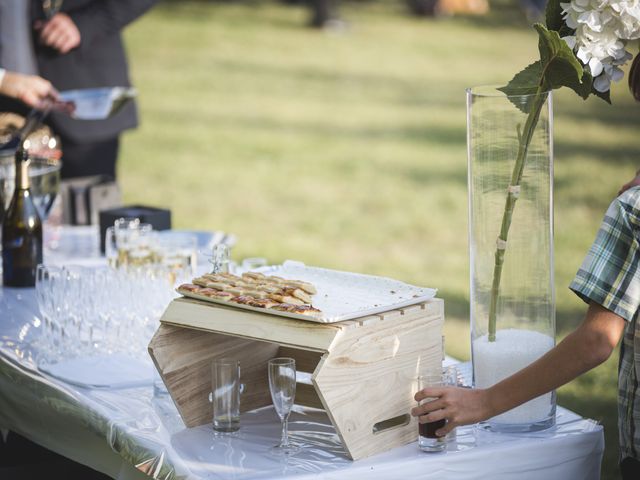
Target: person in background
(609, 282)
(20, 86)
(80, 46)
(31, 90)
(16, 48)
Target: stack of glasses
(92, 311)
(130, 243)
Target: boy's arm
(585, 348)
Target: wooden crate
(362, 371)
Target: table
(128, 432)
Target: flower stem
(524, 140)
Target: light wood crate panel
(363, 370)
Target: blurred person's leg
(21, 459)
(423, 8)
(86, 159)
(323, 12)
(630, 469)
(534, 9)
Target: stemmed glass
(72, 307)
(88, 311)
(46, 278)
(282, 385)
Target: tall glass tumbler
(428, 441)
(510, 153)
(225, 383)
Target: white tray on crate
(341, 295)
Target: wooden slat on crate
(385, 359)
(286, 331)
(306, 395)
(306, 360)
(184, 356)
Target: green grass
(347, 150)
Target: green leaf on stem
(525, 82)
(561, 68)
(558, 67)
(523, 86)
(553, 15)
(606, 96)
(555, 21)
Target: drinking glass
(45, 283)
(58, 313)
(42, 292)
(220, 259)
(427, 440)
(282, 385)
(225, 382)
(128, 241)
(177, 251)
(139, 248)
(450, 377)
(73, 309)
(253, 263)
(111, 247)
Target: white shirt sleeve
(2, 72)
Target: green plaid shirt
(610, 276)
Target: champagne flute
(44, 286)
(282, 385)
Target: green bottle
(21, 230)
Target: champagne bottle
(21, 230)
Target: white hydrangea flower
(628, 18)
(603, 28)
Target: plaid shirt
(610, 276)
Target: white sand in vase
(513, 350)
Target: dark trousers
(630, 469)
(21, 459)
(87, 159)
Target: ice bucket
(45, 181)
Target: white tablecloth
(123, 432)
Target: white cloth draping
(124, 432)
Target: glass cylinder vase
(510, 175)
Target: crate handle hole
(395, 422)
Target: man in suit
(80, 46)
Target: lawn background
(346, 148)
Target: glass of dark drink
(428, 441)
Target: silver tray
(97, 103)
(341, 295)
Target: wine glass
(45, 278)
(282, 385)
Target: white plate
(341, 295)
